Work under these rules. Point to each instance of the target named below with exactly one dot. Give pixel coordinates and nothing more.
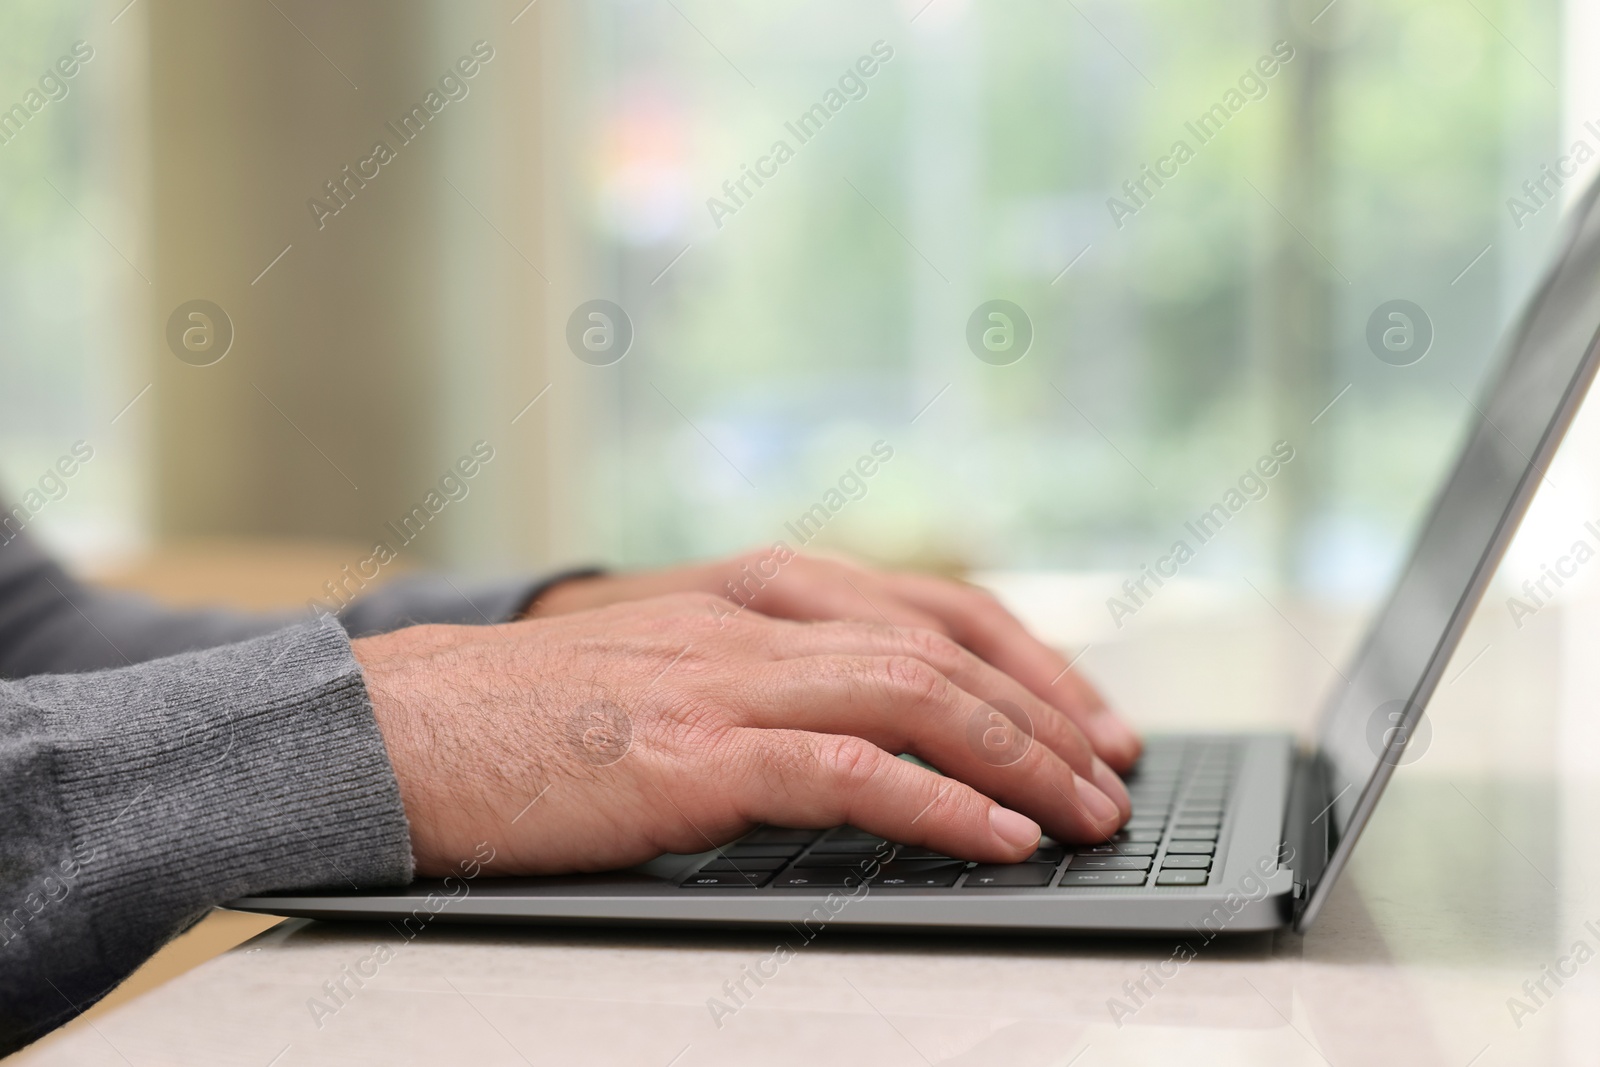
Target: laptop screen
(1510, 438)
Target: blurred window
(1199, 208)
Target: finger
(823, 590)
(1050, 726)
(901, 704)
(795, 778)
(981, 623)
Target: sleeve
(51, 623)
(135, 799)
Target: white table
(1475, 875)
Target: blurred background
(368, 318)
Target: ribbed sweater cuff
(242, 769)
(147, 795)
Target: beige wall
(393, 337)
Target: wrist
(399, 680)
(567, 595)
(574, 590)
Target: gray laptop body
(1231, 833)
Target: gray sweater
(156, 763)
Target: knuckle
(849, 761)
(982, 602)
(703, 603)
(705, 611)
(912, 678)
(938, 649)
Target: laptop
(1230, 833)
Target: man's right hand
(600, 739)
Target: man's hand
(792, 586)
(599, 739)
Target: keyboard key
(917, 875)
(1182, 877)
(1199, 863)
(1136, 836)
(727, 879)
(820, 878)
(1079, 879)
(1191, 832)
(854, 845)
(1051, 854)
(1109, 863)
(1192, 848)
(1145, 822)
(836, 859)
(913, 852)
(743, 850)
(779, 835)
(1122, 848)
(744, 863)
(995, 875)
(850, 833)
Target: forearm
(50, 623)
(136, 799)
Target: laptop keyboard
(1180, 791)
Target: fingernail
(1014, 828)
(1106, 780)
(1114, 736)
(1100, 807)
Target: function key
(1120, 848)
(820, 878)
(1085, 879)
(1109, 863)
(918, 875)
(727, 879)
(999, 876)
(1182, 878)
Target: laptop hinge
(1306, 839)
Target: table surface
(1473, 879)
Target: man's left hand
(809, 588)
